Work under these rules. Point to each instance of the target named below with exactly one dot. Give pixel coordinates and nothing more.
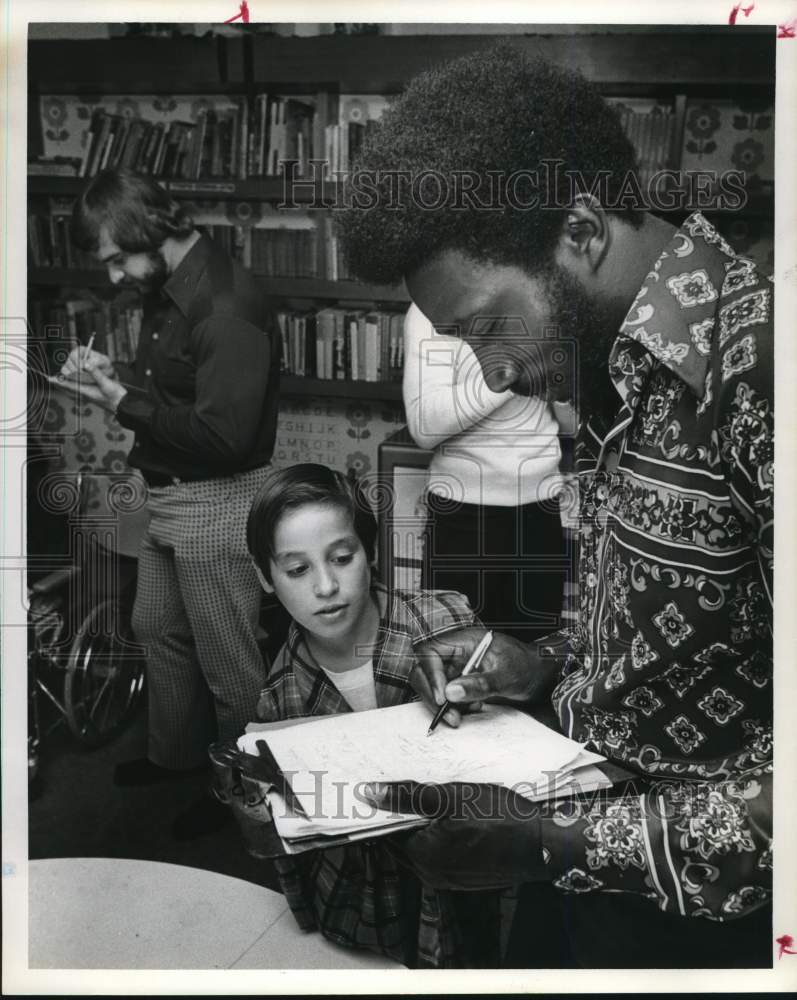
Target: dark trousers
(510, 562)
(556, 930)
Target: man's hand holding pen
(101, 385)
(509, 670)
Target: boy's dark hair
(139, 214)
(287, 489)
(492, 114)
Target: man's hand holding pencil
(84, 358)
(91, 375)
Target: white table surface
(115, 913)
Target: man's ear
(586, 234)
(263, 581)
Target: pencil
(475, 659)
(87, 349)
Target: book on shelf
(251, 138)
(49, 242)
(336, 343)
(236, 138)
(283, 244)
(54, 166)
(649, 125)
(116, 325)
(285, 253)
(351, 118)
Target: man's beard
(158, 275)
(592, 329)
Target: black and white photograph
(392, 594)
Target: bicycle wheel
(104, 674)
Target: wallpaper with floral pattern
(724, 135)
(343, 434)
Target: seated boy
(312, 536)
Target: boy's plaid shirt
(357, 895)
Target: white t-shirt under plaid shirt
(357, 685)
(356, 895)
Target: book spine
(91, 139)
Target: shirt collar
(181, 285)
(316, 688)
(672, 316)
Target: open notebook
(329, 761)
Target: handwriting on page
(786, 29)
(498, 746)
(785, 942)
(735, 12)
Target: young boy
(312, 535)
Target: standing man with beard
(203, 406)
(668, 670)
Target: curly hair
(139, 214)
(492, 114)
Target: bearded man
(202, 401)
(537, 256)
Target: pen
(475, 659)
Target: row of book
(343, 344)
(651, 132)
(285, 253)
(275, 252)
(226, 138)
(281, 252)
(187, 150)
(49, 243)
(282, 128)
(248, 139)
(116, 325)
(342, 143)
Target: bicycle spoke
(103, 689)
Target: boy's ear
(263, 581)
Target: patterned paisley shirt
(668, 669)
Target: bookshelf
(284, 288)
(304, 386)
(666, 66)
(628, 58)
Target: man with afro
(504, 192)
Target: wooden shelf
(134, 65)
(719, 58)
(285, 288)
(270, 189)
(653, 58)
(334, 291)
(299, 385)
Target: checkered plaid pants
(196, 612)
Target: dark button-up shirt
(669, 667)
(208, 371)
